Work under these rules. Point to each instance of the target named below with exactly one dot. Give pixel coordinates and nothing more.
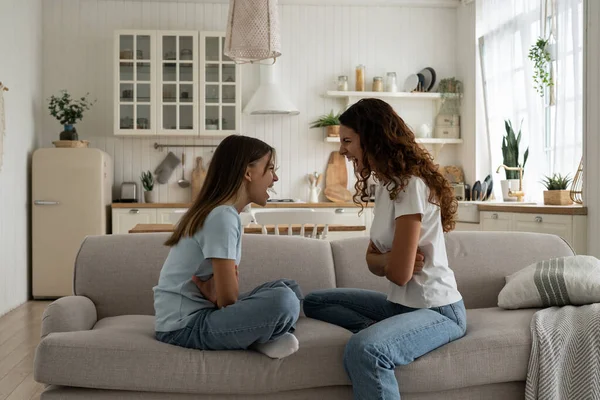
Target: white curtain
(509, 27)
(566, 116)
(553, 133)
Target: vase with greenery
(450, 90)
(68, 110)
(556, 192)
(541, 56)
(148, 185)
(329, 121)
(510, 158)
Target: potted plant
(541, 55)
(148, 184)
(510, 155)
(329, 121)
(68, 110)
(556, 193)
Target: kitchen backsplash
(78, 46)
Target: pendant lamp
(252, 31)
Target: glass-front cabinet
(175, 83)
(178, 83)
(220, 88)
(135, 112)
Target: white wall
(466, 43)
(591, 139)
(20, 71)
(319, 43)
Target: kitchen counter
(254, 206)
(253, 228)
(533, 208)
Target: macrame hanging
(2, 121)
(252, 31)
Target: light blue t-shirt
(176, 297)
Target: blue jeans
(262, 315)
(386, 335)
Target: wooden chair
(296, 217)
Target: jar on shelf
(391, 84)
(378, 84)
(360, 78)
(342, 83)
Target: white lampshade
(252, 31)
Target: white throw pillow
(571, 280)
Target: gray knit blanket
(564, 363)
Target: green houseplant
(68, 110)
(450, 90)
(556, 192)
(329, 121)
(148, 184)
(510, 158)
(510, 150)
(541, 56)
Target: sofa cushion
(121, 353)
(494, 350)
(117, 272)
(480, 261)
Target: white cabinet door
(134, 82)
(124, 219)
(220, 88)
(169, 215)
(561, 225)
(495, 221)
(178, 83)
(467, 226)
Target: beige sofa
(99, 344)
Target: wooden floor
(19, 336)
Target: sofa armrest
(68, 314)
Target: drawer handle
(339, 211)
(134, 211)
(539, 219)
(494, 216)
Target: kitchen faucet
(519, 194)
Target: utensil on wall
(183, 182)
(166, 167)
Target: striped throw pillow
(573, 280)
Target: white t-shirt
(435, 285)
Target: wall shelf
(419, 140)
(437, 143)
(351, 96)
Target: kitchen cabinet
(495, 221)
(124, 219)
(169, 215)
(571, 228)
(175, 83)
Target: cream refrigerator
(71, 197)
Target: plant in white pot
(556, 193)
(510, 154)
(148, 184)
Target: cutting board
(336, 179)
(198, 177)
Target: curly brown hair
(391, 153)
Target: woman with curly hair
(414, 206)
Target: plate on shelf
(429, 78)
(411, 83)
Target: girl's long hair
(391, 152)
(224, 178)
